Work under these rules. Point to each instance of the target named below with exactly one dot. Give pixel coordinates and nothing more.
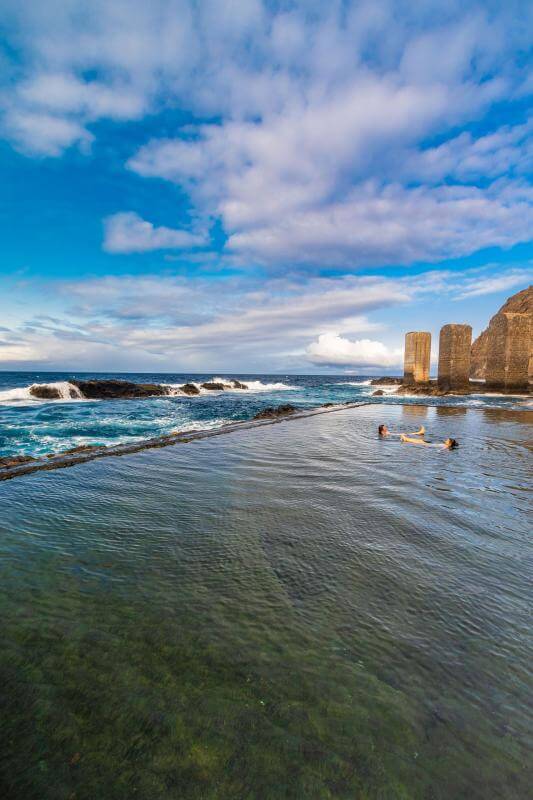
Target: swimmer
(447, 444)
(384, 431)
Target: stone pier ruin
(416, 358)
(508, 351)
(454, 357)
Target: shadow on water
(300, 611)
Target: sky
(252, 186)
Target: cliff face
(521, 303)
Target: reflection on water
(451, 411)
(300, 611)
(410, 412)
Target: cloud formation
(284, 323)
(333, 350)
(127, 232)
(326, 135)
(174, 323)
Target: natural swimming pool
(299, 611)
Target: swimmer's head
(451, 444)
(383, 430)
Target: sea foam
(22, 394)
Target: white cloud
(507, 150)
(331, 350)
(45, 134)
(242, 323)
(378, 225)
(476, 287)
(127, 232)
(325, 117)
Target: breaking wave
(252, 387)
(354, 383)
(64, 391)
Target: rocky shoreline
(125, 390)
(432, 389)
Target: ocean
(38, 427)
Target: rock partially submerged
(189, 388)
(111, 389)
(119, 390)
(386, 381)
(429, 389)
(279, 411)
(379, 393)
(216, 387)
(42, 391)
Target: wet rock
(386, 381)
(44, 392)
(14, 461)
(189, 388)
(82, 448)
(216, 387)
(273, 413)
(328, 405)
(379, 393)
(116, 389)
(425, 389)
(238, 385)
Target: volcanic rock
(238, 385)
(428, 389)
(44, 392)
(121, 390)
(216, 387)
(189, 388)
(279, 411)
(386, 381)
(519, 303)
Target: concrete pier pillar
(416, 358)
(508, 351)
(454, 357)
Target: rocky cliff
(521, 303)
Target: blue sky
(237, 185)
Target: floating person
(384, 431)
(447, 444)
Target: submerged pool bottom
(297, 611)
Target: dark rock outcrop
(519, 303)
(379, 393)
(189, 388)
(273, 413)
(216, 387)
(386, 381)
(44, 392)
(424, 389)
(120, 390)
(238, 385)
